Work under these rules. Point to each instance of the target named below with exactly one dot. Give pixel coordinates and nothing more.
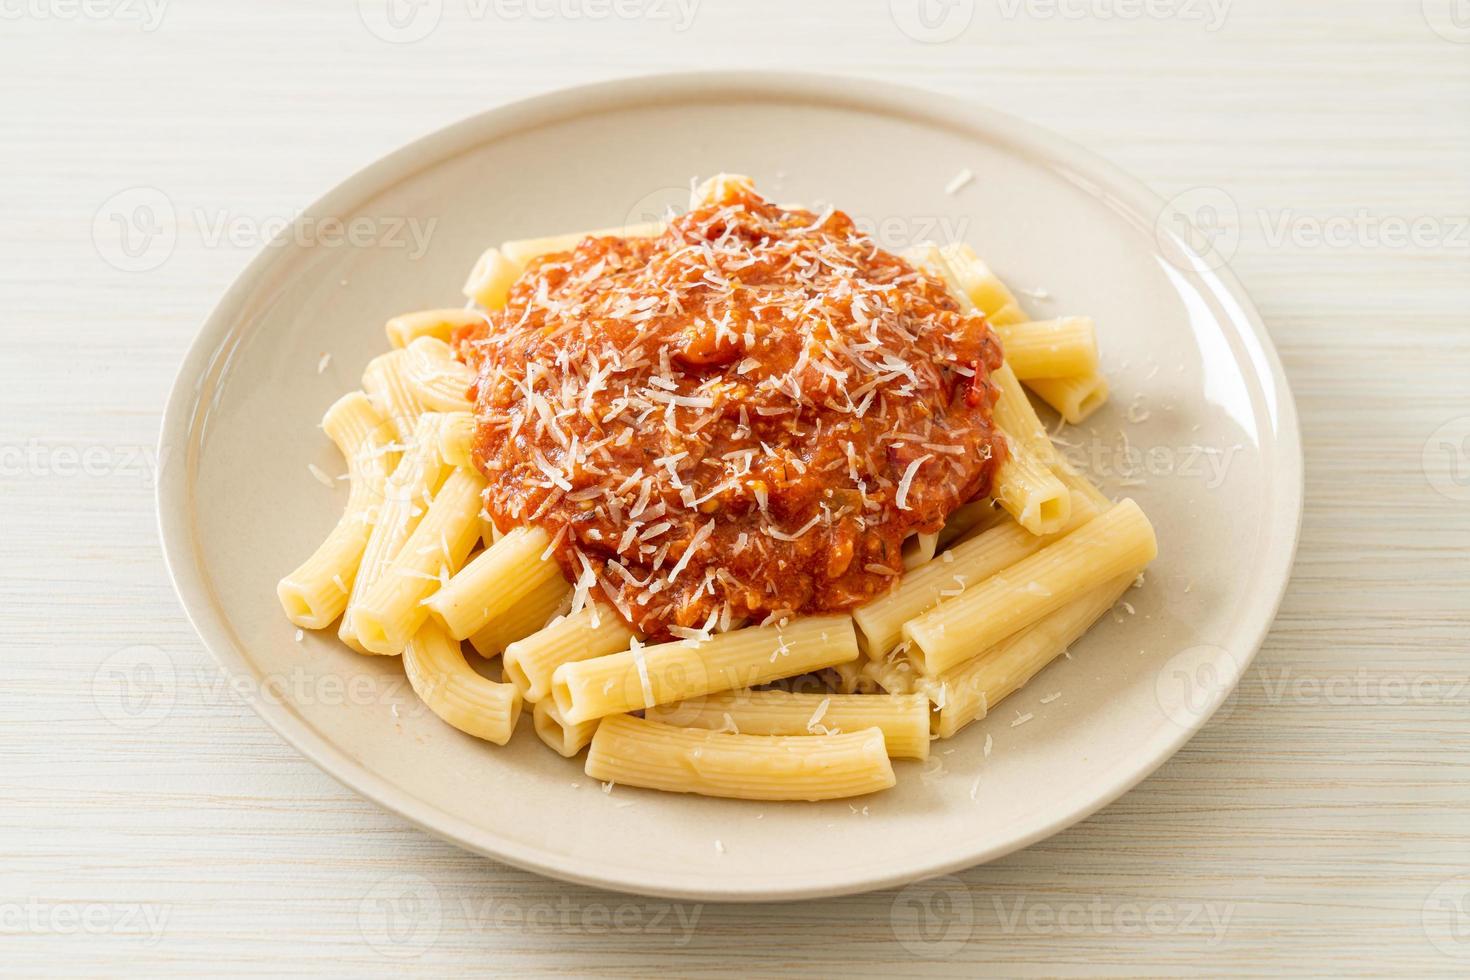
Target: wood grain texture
(1319, 825)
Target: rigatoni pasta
(404, 329)
(642, 677)
(316, 593)
(654, 469)
(545, 603)
(967, 692)
(502, 576)
(385, 380)
(445, 681)
(393, 610)
(636, 752)
(406, 496)
(903, 719)
(531, 660)
(880, 623)
(563, 738)
(457, 438)
(436, 379)
(1061, 348)
(1110, 544)
(1028, 490)
(1074, 398)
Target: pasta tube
(407, 495)
(505, 574)
(1060, 348)
(983, 287)
(393, 610)
(404, 329)
(1105, 547)
(1024, 485)
(1073, 398)
(490, 280)
(591, 632)
(437, 379)
(719, 189)
(528, 616)
(1015, 416)
(1026, 488)
(457, 439)
(880, 623)
(316, 592)
(386, 383)
(566, 740)
(966, 693)
(445, 681)
(637, 752)
(1081, 485)
(903, 719)
(643, 677)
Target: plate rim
(201, 364)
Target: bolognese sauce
(738, 420)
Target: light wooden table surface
(1320, 825)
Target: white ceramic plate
(1198, 395)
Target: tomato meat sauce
(737, 421)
